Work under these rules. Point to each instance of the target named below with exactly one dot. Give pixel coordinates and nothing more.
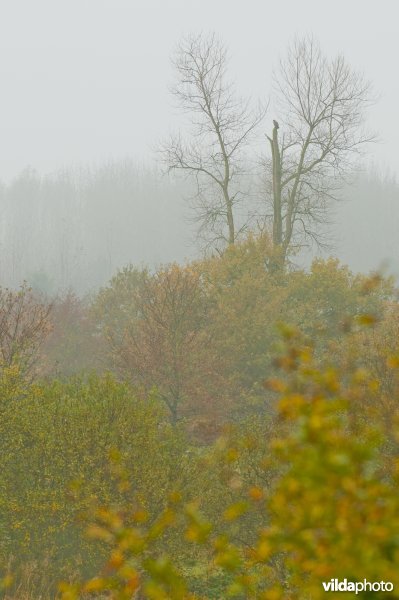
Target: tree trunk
(277, 215)
(279, 252)
(230, 217)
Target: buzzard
(276, 125)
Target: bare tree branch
(321, 105)
(222, 127)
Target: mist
(199, 303)
(86, 103)
(76, 228)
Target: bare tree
(222, 126)
(321, 105)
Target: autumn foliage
(207, 449)
(331, 510)
(24, 325)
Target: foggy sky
(87, 80)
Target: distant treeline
(75, 228)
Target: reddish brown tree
(24, 325)
(167, 342)
(72, 345)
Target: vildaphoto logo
(334, 585)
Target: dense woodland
(219, 426)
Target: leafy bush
(62, 433)
(331, 511)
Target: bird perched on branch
(276, 125)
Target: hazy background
(84, 102)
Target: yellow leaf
(94, 585)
